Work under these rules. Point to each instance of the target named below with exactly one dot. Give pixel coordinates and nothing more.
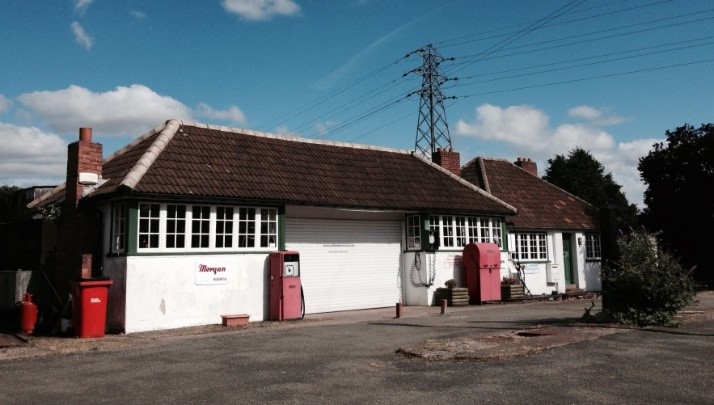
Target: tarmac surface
(534, 352)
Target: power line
(580, 42)
(521, 33)
(582, 79)
(321, 100)
(480, 37)
(348, 105)
(391, 103)
(466, 81)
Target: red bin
(89, 307)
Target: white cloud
(325, 126)
(138, 14)
(622, 161)
(261, 10)
(285, 131)
(122, 111)
(567, 137)
(528, 131)
(233, 113)
(523, 126)
(5, 104)
(81, 5)
(30, 156)
(595, 116)
(81, 36)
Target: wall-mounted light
(580, 241)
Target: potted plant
(511, 288)
(454, 296)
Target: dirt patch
(505, 346)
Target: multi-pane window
(149, 220)
(200, 226)
(118, 227)
(224, 227)
(531, 246)
(175, 226)
(246, 227)
(413, 232)
(447, 231)
(458, 231)
(268, 227)
(178, 227)
(592, 247)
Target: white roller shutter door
(346, 264)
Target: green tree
(582, 175)
(8, 196)
(679, 175)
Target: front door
(567, 261)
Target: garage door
(347, 264)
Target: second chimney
(448, 159)
(528, 165)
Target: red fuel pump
(286, 298)
(482, 268)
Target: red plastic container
(89, 307)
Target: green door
(567, 262)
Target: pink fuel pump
(286, 297)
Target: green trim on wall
(424, 221)
(132, 231)
(504, 235)
(281, 227)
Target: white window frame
(151, 236)
(226, 234)
(268, 227)
(531, 247)
(263, 218)
(457, 231)
(201, 234)
(413, 232)
(593, 247)
(178, 228)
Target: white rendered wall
(591, 276)
(443, 265)
(161, 291)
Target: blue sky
(535, 79)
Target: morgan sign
(210, 272)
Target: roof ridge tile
(134, 175)
(293, 138)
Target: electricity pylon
(432, 130)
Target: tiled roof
(540, 205)
(189, 159)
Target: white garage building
(189, 213)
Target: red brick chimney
(448, 159)
(84, 166)
(79, 228)
(527, 165)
